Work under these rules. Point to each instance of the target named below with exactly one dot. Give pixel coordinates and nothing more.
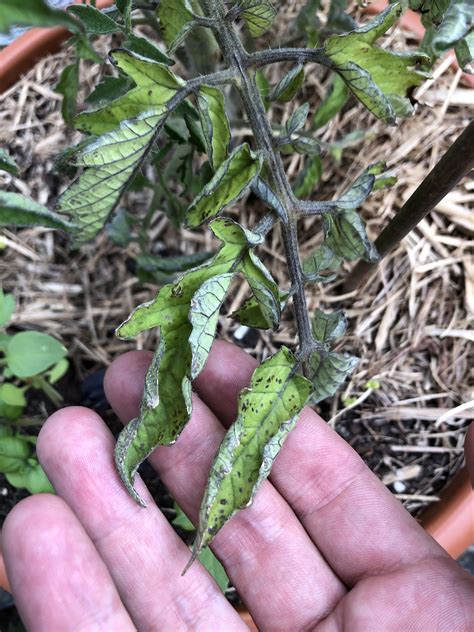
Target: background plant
(29, 360)
(381, 80)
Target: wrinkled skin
(325, 546)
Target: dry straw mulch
(410, 324)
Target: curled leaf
(214, 123)
(267, 411)
(229, 183)
(381, 79)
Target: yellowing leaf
(378, 77)
(268, 410)
(229, 183)
(214, 123)
(258, 15)
(156, 85)
(187, 314)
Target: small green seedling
(28, 360)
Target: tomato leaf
(186, 313)
(229, 183)
(18, 210)
(267, 411)
(381, 79)
(215, 124)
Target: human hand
(324, 546)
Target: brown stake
(456, 163)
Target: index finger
(356, 523)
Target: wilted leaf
(327, 327)
(156, 85)
(250, 312)
(334, 101)
(268, 410)
(18, 210)
(346, 237)
(288, 85)
(29, 353)
(214, 123)
(231, 180)
(95, 22)
(297, 120)
(258, 15)
(7, 163)
(381, 79)
(34, 13)
(264, 289)
(109, 165)
(328, 370)
(465, 53)
(166, 405)
(322, 259)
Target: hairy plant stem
(241, 63)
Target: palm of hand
(324, 546)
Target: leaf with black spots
(267, 411)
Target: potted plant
(247, 165)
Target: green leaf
(229, 183)
(125, 8)
(176, 17)
(268, 410)
(58, 371)
(32, 478)
(214, 568)
(7, 163)
(381, 79)
(14, 454)
(346, 237)
(288, 85)
(322, 259)
(30, 353)
(328, 370)
(7, 307)
(95, 22)
(187, 317)
(110, 164)
(297, 120)
(85, 49)
(250, 312)
(264, 289)
(107, 90)
(327, 327)
(432, 12)
(68, 86)
(309, 177)
(144, 47)
(181, 520)
(335, 100)
(215, 124)
(34, 13)
(18, 210)
(12, 395)
(258, 15)
(307, 22)
(465, 53)
(338, 20)
(156, 85)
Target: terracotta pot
(451, 521)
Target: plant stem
(456, 163)
(237, 59)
